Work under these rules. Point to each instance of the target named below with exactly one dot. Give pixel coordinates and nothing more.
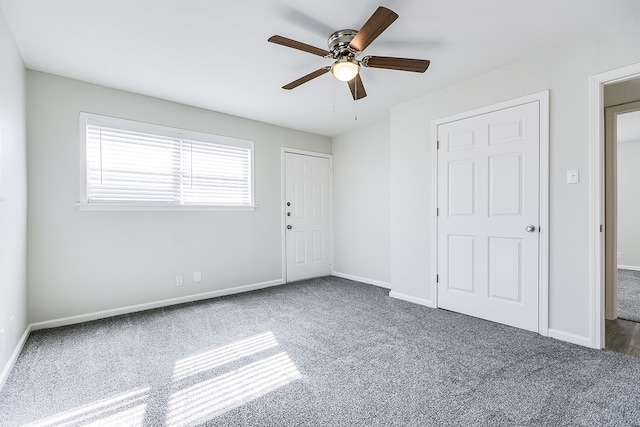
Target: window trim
(167, 131)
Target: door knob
(289, 227)
(530, 228)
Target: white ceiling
(214, 54)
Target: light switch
(573, 176)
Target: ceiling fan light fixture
(345, 69)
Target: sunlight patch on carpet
(126, 410)
(215, 396)
(206, 361)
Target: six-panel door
(488, 178)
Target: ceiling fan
(344, 48)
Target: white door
(307, 221)
(488, 201)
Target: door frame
(543, 251)
(283, 201)
(596, 197)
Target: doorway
(602, 253)
(622, 209)
(306, 214)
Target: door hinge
(437, 211)
(601, 228)
(437, 145)
(437, 278)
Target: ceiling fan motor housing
(339, 43)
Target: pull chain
(355, 108)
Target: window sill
(147, 207)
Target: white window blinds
(128, 165)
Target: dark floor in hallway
(623, 336)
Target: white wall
(629, 203)
(86, 261)
(362, 210)
(565, 72)
(13, 189)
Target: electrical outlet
(619, 255)
(197, 276)
(178, 280)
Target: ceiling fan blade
(377, 23)
(391, 63)
(298, 45)
(294, 84)
(357, 88)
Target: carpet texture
(321, 352)
(629, 295)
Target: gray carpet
(322, 352)
(629, 295)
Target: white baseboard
(14, 357)
(151, 305)
(409, 298)
(628, 267)
(571, 338)
(374, 282)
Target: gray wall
(362, 211)
(13, 189)
(629, 204)
(621, 92)
(86, 261)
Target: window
(137, 165)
